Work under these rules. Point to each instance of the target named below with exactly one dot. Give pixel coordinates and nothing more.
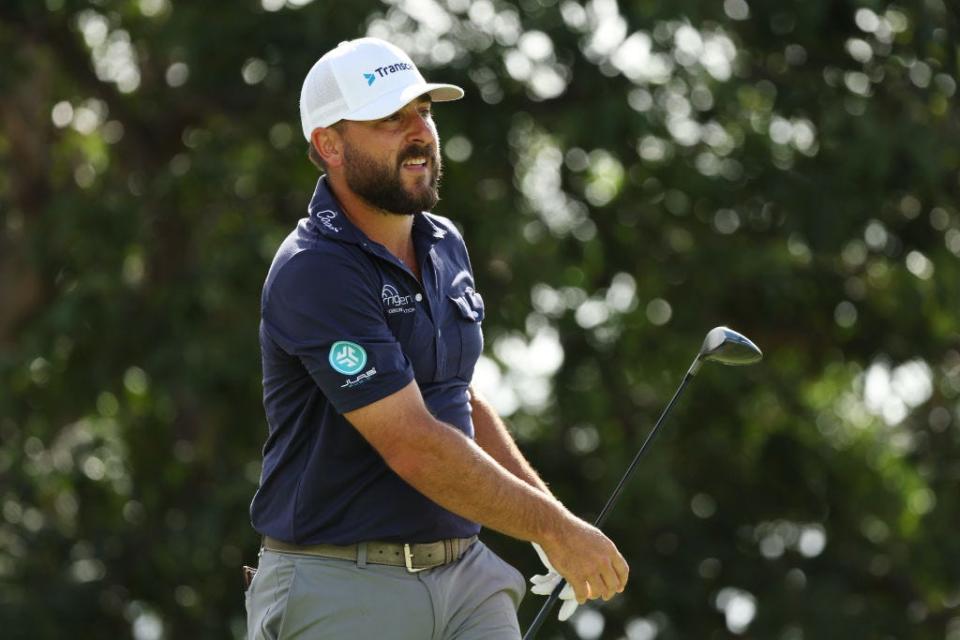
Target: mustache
(418, 151)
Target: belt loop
(361, 555)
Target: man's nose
(421, 129)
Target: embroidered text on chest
(394, 302)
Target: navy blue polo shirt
(343, 324)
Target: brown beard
(381, 185)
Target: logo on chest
(395, 302)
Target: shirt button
(418, 297)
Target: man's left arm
(491, 434)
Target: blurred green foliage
(627, 175)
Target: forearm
(460, 476)
(447, 467)
(455, 472)
(492, 436)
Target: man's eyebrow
(419, 102)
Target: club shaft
(611, 501)
(544, 612)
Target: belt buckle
(408, 560)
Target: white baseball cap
(363, 79)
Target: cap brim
(396, 100)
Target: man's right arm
(454, 472)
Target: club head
(726, 346)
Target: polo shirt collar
(328, 218)
(427, 228)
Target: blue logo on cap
(384, 71)
(347, 357)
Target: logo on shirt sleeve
(360, 379)
(347, 357)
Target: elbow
(420, 457)
(409, 461)
(402, 461)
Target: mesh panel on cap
(321, 103)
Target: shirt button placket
(441, 355)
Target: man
(382, 462)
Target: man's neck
(392, 230)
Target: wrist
(556, 528)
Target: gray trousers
(301, 597)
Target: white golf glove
(543, 585)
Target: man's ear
(329, 144)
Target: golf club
(723, 345)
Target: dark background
(627, 176)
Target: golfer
(382, 462)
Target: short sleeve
(323, 308)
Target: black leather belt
(415, 557)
